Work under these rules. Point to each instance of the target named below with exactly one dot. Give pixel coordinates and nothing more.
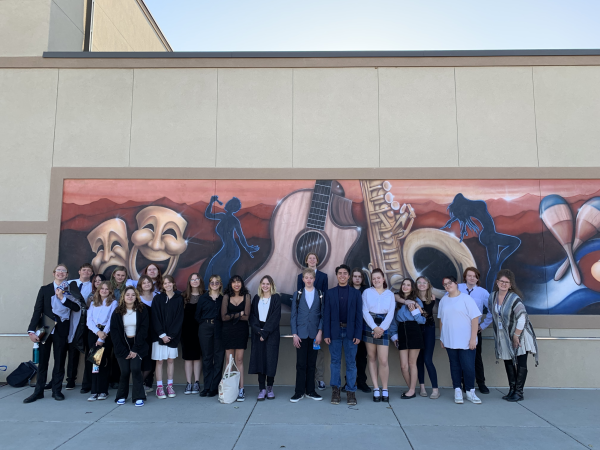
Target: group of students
(140, 324)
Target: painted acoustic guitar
(315, 220)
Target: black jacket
(273, 317)
(43, 305)
(119, 338)
(167, 317)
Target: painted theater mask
(109, 241)
(159, 237)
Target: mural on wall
(546, 231)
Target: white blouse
(263, 308)
(456, 314)
(376, 303)
(100, 315)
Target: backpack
(22, 374)
(301, 291)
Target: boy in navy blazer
(342, 327)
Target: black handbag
(22, 375)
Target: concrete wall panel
(27, 109)
(496, 118)
(65, 34)
(336, 118)
(254, 123)
(106, 36)
(174, 118)
(24, 26)
(93, 118)
(567, 104)
(417, 115)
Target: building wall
(24, 26)
(428, 122)
(121, 26)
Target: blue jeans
(335, 348)
(425, 358)
(462, 362)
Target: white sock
(169, 381)
(159, 384)
(375, 392)
(385, 391)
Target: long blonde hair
(98, 300)
(428, 293)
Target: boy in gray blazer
(307, 326)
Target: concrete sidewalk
(547, 419)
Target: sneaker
(148, 388)
(196, 388)
(314, 396)
(241, 396)
(102, 396)
(70, 385)
(296, 398)
(262, 395)
(458, 398)
(270, 393)
(93, 398)
(160, 392)
(139, 403)
(188, 389)
(321, 386)
(170, 391)
(472, 397)
(121, 401)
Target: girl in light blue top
(406, 333)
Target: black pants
(131, 367)
(479, 375)
(262, 378)
(86, 384)
(56, 345)
(361, 364)
(100, 379)
(213, 353)
(72, 362)
(306, 361)
(114, 373)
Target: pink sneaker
(160, 392)
(170, 391)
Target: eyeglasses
(503, 282)
(450, 283)
(215, 283)
(61, 271)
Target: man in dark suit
(321, 284)
(58, 338)
(342, 328)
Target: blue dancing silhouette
(223, 261)
(498, 246)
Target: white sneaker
(458, 398)
(472, 397)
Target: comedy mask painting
(546, 231)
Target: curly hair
(229, 289)
(511, 277)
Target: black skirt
(235, 334)
(410, 336)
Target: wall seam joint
(217, 124)
(131, 117)
(537, 146)
(293, 117)
(55, 115)
(456, 120)
(378, 119)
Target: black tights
(261, 381)
(521, 361)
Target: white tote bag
(229, 387)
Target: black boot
(512, 379)
(521, 377)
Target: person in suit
(321, 284)
(54, 309)
(307, 328)
(342, 328)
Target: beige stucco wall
(121, 26)
(24, 26)
(286, 118)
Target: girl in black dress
(264, 322)
(235, 310)
(145, 288)
(190, 344)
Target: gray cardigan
(306, 322)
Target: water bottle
(36, 353)
(316, 346)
